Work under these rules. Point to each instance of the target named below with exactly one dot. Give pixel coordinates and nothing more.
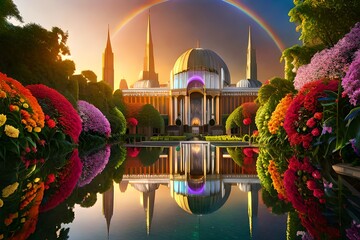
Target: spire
(251, 67)
(108, 63)
(108, 206)
(148, 72)
(149, 52)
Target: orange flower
(278, 116)
(277, 179)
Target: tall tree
(8, 10)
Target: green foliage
(149, 155)
(89, 75)
(119, 101)
(150, 117)
(236, 154)
(297, 56)
(293, 225)
(8, 10)
(276, 205)
(324, 22)
(32, 54)
(223, 138)
(235, 119)
(277, 88)
(168, 138)
(117, 122)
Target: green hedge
(223, 138)
(168, 138)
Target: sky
(176, 25)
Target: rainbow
(243, 8)
(136, 12)
(240, 6)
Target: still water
(193, 191)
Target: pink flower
(247, 121)
(315, 132)
(316, 174)
(311, 123)
(311, 184)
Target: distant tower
(108, 206)
(251, 68)
(108, 63)
(148, 72)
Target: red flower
(51, 123)
(50, 178)
(311, 184)
(133, 122)
(311, 123)
(318, 115)
(318, 193)
(255, 133)
(315, 132)
(248, 152)
(247, 121)
(69, 118)
(133, 152)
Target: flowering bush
(64, 184)
(330, 63)
(305, 190)
(133, 122)
(277, 117)
(351, 81)
(93, 120)
(93, 164)
(303, 117)
(66, 115)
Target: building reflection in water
(198, 175)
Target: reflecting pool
(190, 191)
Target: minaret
(108, 206)
(148, 72)
(108, 63)
(251, 68)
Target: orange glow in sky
(177, 25)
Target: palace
(199, 95)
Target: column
(212, 106)
(175, 108)
(171, 117)
(204, 109)
(186, 112)
(217, 110)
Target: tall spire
(148, 72)
(251, 67)
(108, 206)
(108, 63)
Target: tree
(324, 22)
(149, 118)
(119, 101)
(89, 75)
(7, 10)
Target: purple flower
(326, 130)
(353, 233)
(332, 62)
(304, 235)
(93, 120)
(351, 81)
(93, 164)
(353, 145)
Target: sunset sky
(177, 25)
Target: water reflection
(193, 191)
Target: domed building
(199, 94)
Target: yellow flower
(23, 220)
(1, 203)
(22, 100)
(11, 131)
(29, 128)
(25, 105)
(2, 119)
(37, 129)
(7, 191)
(37, 180)
(2, 95)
